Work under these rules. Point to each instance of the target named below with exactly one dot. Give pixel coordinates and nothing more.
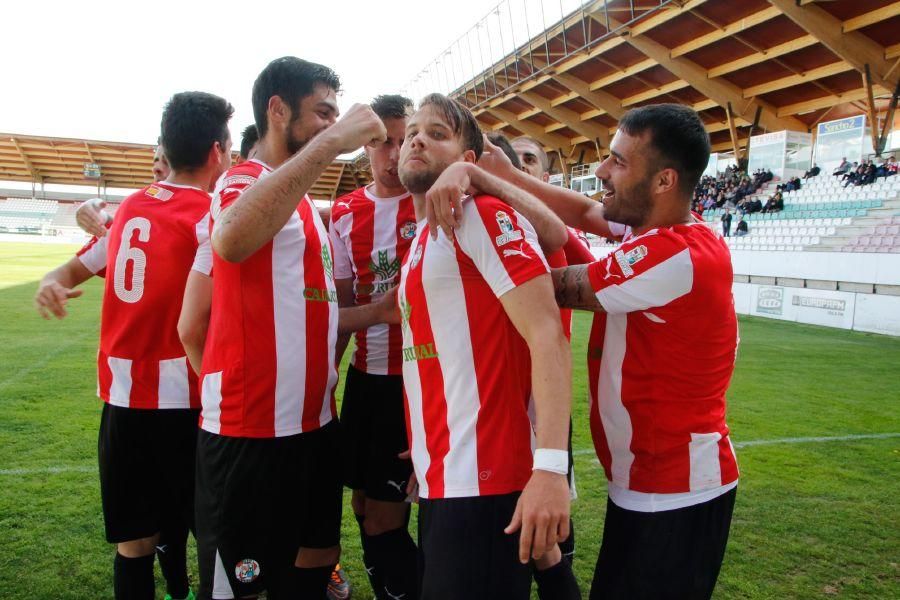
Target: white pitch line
(50, 470)
(579, 452)
(792, 440)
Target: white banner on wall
(845, 310)
(877, 314)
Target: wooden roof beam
(854, 47)
(550, 140)
(717, 90)
(25, 159)
(892, 51)
(840, 66)
(602, 101)
(662, 90)
(570, 118)
(827, 101)
(799, 43)
(870, 18)
(655, 20)
(726, 31)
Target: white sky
(103, 70)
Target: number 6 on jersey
(126, 253)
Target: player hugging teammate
(451, 269)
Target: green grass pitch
(813, 518)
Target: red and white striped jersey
(268, 365)
(660, 360)
(370, 236)
(146, 257)
(466, 370)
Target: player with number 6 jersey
(148, 428)
(145, 258)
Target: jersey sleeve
(618, 230)
(577, 248)
(93, 255)
(343, 268)
(502, 244)
(203, 260)
(228, 190)
(648, 271)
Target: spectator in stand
(742, 228)
(752, 205)
(868, 175)
(774, 204)
(890, 167)
(853, 175)
(814, 171)
(842, 168)
(792, 184)
(726, 223)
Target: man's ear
(666, 180)
(277, 110)
(469, 156)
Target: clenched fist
(359, 126)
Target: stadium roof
(62, 160)
(778, 64)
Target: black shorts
(673, 554)
(373, 431)
(259, 500)
(464, 553)
(146, 470)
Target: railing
(519, 40)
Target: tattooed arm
(573, 289)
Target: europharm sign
(815, 307)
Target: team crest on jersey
(408, 230)
(386, 269)
(628, 259)
(326, 262)
(416, 257)
(160, 193)
(508, 232)
(247, 570)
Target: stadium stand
(26, 215)
(824, 216)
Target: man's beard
(421, 181)
(633, 207)
(294, 145)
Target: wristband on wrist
(548, 459)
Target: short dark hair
(461, 120)
(392, 106)
(502, 142)
(191, 123)
(678, 137)
(291, 79)
(541, 153)
(249, 137)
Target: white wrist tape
(555, 461)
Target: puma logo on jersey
(507, 252)
(399, 486)
(399, 596)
